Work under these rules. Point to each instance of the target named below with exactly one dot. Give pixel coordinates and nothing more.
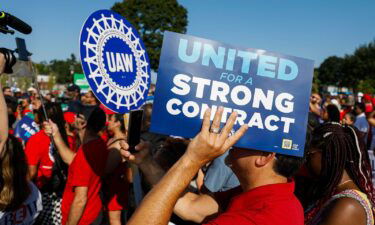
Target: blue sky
(311, 29)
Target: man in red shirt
(81, 202)
(265, 195)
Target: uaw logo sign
(115, 62)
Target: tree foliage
(61, 69)
(151, 18)
(356, 70)
(330, 71)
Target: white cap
(31, 89)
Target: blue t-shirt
(219, 177)
(361, 123)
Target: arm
(157, 206)
(3, 110)
(189, 206)
(65, 152)
(371, 118)
(196, 208)
(32, 172)
(78, 206)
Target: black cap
(74, 88)
(25, 96)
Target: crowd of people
(78, 169)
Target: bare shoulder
(345, 211)
(113, 143)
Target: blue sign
(115, 61)
(269, 91)
(26, 128)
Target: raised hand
(50, 128)
(211, 142)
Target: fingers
(229, 125)
(217, 119)
(206, 121)
(124, 145)
(142, 146)
(234, 138)
(127, 155)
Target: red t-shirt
(116, 189)
(72, 141)
(273, 204)
(38, 153)
(85, 171)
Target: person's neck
(118, 134)
(89, 136)
(346, 183)
(261, 179)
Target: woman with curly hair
(343, 192)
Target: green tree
(151, 18)
(356, 70)
(316, 82)
(42, 68)
(367, 86)
(330, 71)
(64, 69)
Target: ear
(84, 124)
(264, 159)
(118, 123)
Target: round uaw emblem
(115, 61)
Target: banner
(25, 128)
(115, 61)
(269, 91)
(81, 82)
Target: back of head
(342, 149)
(170, 152)
(360, 105)
(54, 113)
(287, 165)
(14, 188)
(333, 113)
(96, 120)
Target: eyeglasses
(309, 153)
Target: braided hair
(342, 149)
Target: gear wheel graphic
(102, 30)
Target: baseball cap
(74, 87)
(69, 117)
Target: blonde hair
(14, 188)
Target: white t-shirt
(27, 213)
